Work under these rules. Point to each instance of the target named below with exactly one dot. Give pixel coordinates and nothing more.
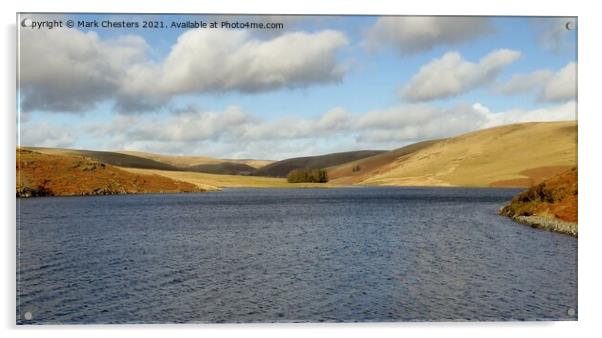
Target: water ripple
(244, 255)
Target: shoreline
(218, 189)
(117, 194)
(548, 224)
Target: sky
(320, 84)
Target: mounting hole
(27, 315)
(26, 22)
(571, 312)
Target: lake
(289, 255)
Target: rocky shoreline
(547, 223)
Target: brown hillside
(60, 175)
(373, 165)
(555, 197)
(511, 155)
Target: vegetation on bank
(60, 175)
(552, 199)
(307, 176)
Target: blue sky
(338, 83)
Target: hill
(192, 162)
(41, 174)
(360, 170)
(551, 204)
(282, 168)
(108, 157)
(223, 168)
(142, 160)
(517, 155)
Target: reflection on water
(262, 255)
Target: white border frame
(590, 187)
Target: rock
(548, 223)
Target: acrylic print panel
(223, 168)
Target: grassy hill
(360, 170)
(41, 174)
(282, 168)
(515, 155)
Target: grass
(481, 158)
(215, 181)
(366, 167)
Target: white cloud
(523, 83)
(451, 75)
(67, 70)
(549, 86)
(192, 126)
(414, 34)
(563, 112)
(80, 69)
(562, 86)
(226, 60)
(45, 135)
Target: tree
(307, 176)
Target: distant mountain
(516, 155)
(282, 168)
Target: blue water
(270, 255)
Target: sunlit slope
(373, 165)
(511, 155)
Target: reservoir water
(289, 255)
